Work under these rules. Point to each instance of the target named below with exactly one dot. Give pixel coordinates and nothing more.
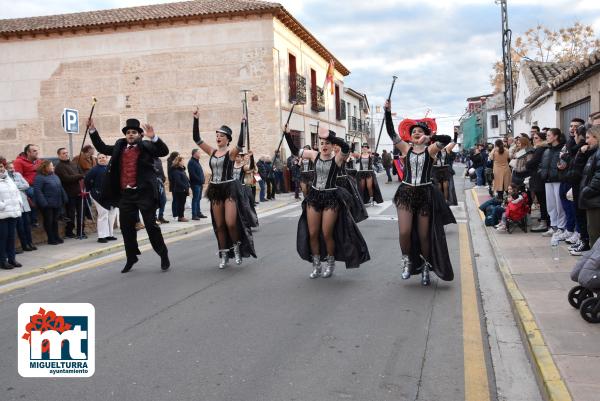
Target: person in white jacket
(23, 222)
(10, 210)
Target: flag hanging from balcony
(329, 77)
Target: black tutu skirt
(351, 247)
(440, 215)
(357, 207)
(352, 172)
(377, 197)
(218, 192)
(441, 173)
(234, 190)
(307, 177)
(417, 199)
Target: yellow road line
(554, 386)
(475, 368)
(476, 199)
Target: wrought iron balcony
(297, 89)
(318, 99)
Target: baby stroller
(516, 214)
(585, 296)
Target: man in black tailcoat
(131, 185)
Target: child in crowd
(517, 206)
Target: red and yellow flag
(329, 77)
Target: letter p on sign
(70, 121)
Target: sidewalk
(564, 348)
(49, 258)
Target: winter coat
(386, 160)
(294, 168)
(22, 186)
(180, 182)
(536, 183)
(549, 166)
(587, 269)
(48, 191)
(576, 167)
(94, 180)
(589, 197)
(501, 170)
(146, 176)
(265, 169)
(195, 172)
(477, 160)
(11, 203)
(69, 176)
(27, 168)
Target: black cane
(245, 111)
(383, 120)
(83, 192)
(283, 135)
(87, 129)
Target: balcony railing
(318, 100)
(297, 89)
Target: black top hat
(132, 123)
(225, 130)
(423, 125)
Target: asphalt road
(262, 331)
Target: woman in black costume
(229, 217)
(326, 229)
(307, 173)
(346, 181)
(365, 176)
(243, 165)
(442, 172)
(422, 210)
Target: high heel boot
(224, 258)
(316, 262)
(425, 279)
(405, 263)
(237, 254)
(330, 267)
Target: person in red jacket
(27, 163)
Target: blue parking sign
(70, 121)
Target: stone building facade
(157, 63)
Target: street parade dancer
(130, 184)
(442, 172)
(422, 210)
(346, 181)
(230, 220)
(326, 230)
(243, 166)
(307, 173)
(367, 180)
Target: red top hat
(407, 125)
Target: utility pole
(507, 63)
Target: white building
(534, 103)
(495, 118)
(357, 116)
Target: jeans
(387, 172)
(262, 185)
(162, 200)
(51, 223)
(480, 179)
(196, 197)
(24, 229)
(7, 239)
(278, 182)
(568, 207)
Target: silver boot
(316, 267)
(425, 279)
(224, 258)
(330, 267)
(237, 254)
(406, 265)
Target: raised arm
(97, 141)
(438, 142)
(330, 136)
(196, 136)
(240, 144)
(155, 146)
(452, 144)
(301, 153)
(389, 126)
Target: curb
(106, 251)
(552, 385)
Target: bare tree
(542, 44)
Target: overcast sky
(442, 51)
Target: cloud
(441, 51)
